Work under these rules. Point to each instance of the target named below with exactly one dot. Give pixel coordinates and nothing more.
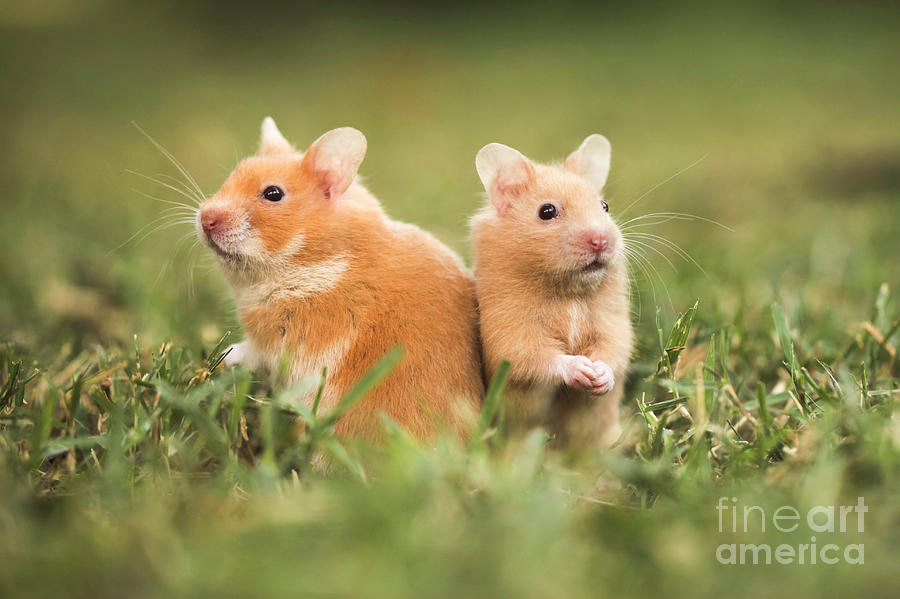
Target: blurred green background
(789, 112)
(792, 107)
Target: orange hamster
(322, 277)
(552, 287)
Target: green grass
(132, 461)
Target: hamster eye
(605, 205)
(272, 193)
(547, 212)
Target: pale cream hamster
(552, 287)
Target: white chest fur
(296, 282)
(290, 359)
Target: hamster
(322, 277)
(552, 287)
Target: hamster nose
(211, 219)
(598, 241)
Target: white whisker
(653, 249)
(647, 267)
(163, 227)
(164, 217)
(671, 245)
(173, 160)
(669, 216)
(184, 193)
(182, 185)
(173, 254)
(661, 183)
(178, 205)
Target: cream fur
(567, 332)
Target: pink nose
(598, 241)
(210, 220)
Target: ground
(131, 458)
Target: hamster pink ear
(334, 158)
(591, 160)
(272, 142)
(504, 172)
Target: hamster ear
(504, 172)
(334, 158)
(591, 160)
(272, 142)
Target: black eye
(547, 212)
(605, 205)
(272, 193)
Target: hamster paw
(604, 382)
(577, 371)
(237, 354)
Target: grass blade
(492, 398)
(365, 384)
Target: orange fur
(539, 306)
(323, 278)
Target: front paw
(605, 380)
(577, 371)
(236, 354)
